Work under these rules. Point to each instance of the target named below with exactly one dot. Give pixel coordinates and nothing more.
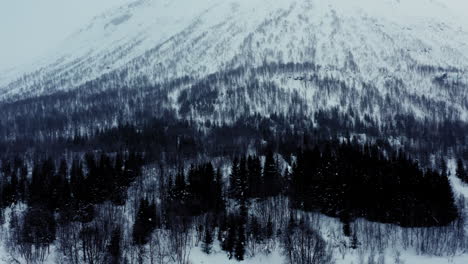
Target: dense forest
(231, 164)
(241, 96)
(237, 131)
(123, 194)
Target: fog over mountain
(31, 29)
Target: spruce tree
(145, 222)
(219, 203)
(271, 176)
(207, 240)
(239, 247)
(229, 241)
(114, 248)
(23, 182)
(234, 180)
(254, 176)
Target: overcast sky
(30, 28)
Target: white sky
(30, 28)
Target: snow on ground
(197, 38)
(330, 228)
(354, 256)
(220, 257)
(459, 188)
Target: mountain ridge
(355, 43)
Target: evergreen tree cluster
(216, 118)
(350, 181)
(250, 178)
(145, 222)
(14, 181)
(340, 178)
(203, 192)
(233, 236)
(71, 193)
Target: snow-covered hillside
(128, 143)
(159, 40)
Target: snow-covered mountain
(347, 110)
(398, 51)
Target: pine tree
(219, 203)
(298, 184)
(255, 230)
(14, 186)
(81, 200)
(269, 230)
(145, 222)
(92, 179)
(114, 248)
(139, 227)
(39, 226)
(239, 248)
(229, 242)
(59, 195)
(347, 228)
(234, 180)
(180, 181)
(77, 181)
(254, 176)
(207, 240)
(271, 176)
(23, 183)
(443, 167)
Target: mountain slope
(390, 49)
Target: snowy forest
(162, 189)
(240, 131)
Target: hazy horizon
(31, 28)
